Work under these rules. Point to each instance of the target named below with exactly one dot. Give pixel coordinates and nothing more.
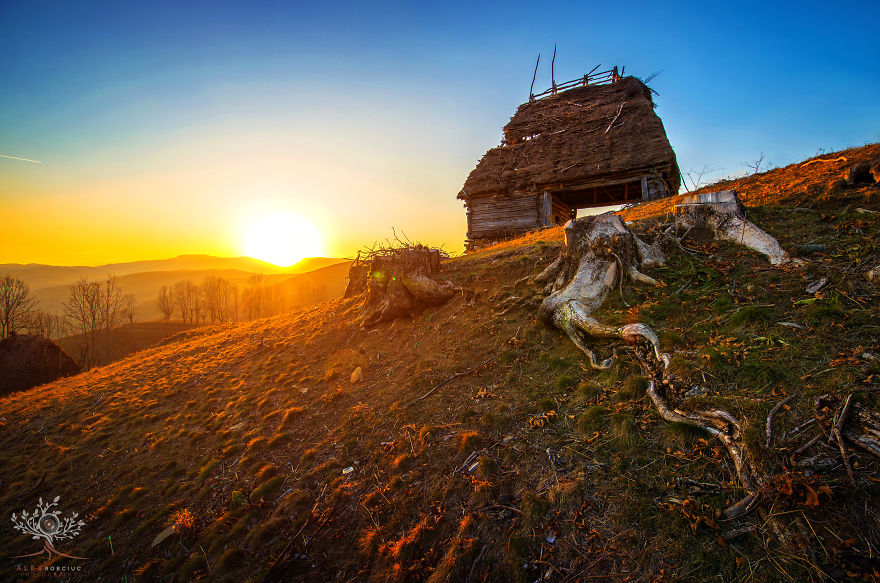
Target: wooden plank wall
(494, 216)
(561, 212)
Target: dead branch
(772, 414)
(807, 445)
(477, 560)
(448, 380)
(756, 165)
(842, 158)
(837, 434)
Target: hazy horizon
(180, 256)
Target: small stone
(358, 375)
(697, 391)
(817, 286)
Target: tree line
(219, 300)
(94, 308)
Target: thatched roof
(562, 140)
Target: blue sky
(368, 116)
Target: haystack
(590, 146)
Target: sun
(281, 239)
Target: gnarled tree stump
(723, 216)
(599, 253)
(399, 282)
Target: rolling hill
(479, 446)
(50, 284)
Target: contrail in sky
(23, 159)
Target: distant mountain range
(312, 280)
(39, 275)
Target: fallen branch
(807, 445)
(448, 380)
(842, 158)
(867, 436)
(770, 417)
(837, 434)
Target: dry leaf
(163, 535)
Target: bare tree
(93, 309)
(255, 298)
(112, 310)
(128, 304)
(696, 177)
(165, 302)
(211, 289)
(188, 301)
(181, 301)
(196, 303)
(43, 323)
(755, 166)
(15, 303)
(220, 297)
(82, 314)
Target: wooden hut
(592, 145)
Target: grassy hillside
(297, 291)
(272, 465)
(127, 339)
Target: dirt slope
(252, 440)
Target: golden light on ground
(281, 239)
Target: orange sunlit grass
(282, 239)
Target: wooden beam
(532, 88)
(546, 208)
(645, 193)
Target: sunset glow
(282, 239)
(146, 131)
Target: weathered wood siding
(502, 215)
(561, 212)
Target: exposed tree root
(865, 432)
(724, 216)
(599, 253)
(717, 423)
